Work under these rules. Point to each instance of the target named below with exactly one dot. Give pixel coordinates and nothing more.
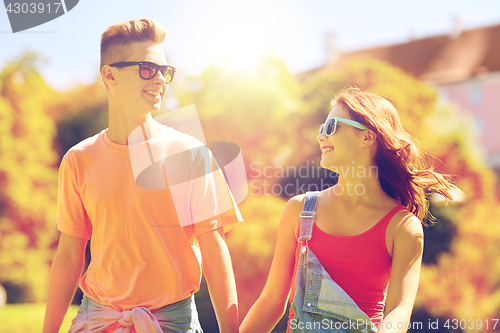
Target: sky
(202, 32)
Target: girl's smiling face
(343, 148)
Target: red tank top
(360, 264)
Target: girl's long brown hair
(402, 170)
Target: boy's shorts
(179, 317)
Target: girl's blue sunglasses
(330, 127)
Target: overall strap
(307, 216)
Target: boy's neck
(120, 128)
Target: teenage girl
(350, 255)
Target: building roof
(438, 59)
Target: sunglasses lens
(321, 128)
(167, 73)
(147, 71)
(330, 127)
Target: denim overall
(319, 303)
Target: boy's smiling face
(140, 94)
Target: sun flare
(237, 34)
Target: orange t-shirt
(143, 237)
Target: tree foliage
(79, 114)
(28, 178)
(37, 126)
(252, 245)
(252, 107)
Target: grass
(28, 318)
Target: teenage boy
(145, 259)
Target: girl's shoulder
(291, 214)
(294, 206)
(404, 219)
(405, 225)
(290, 218)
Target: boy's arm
(64, 276)
(219, 274)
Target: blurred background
(262, 75)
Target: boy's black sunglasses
(148, 70)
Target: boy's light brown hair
(117, 38)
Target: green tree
(80, 114)
(252, 245)
(252, 107)
(28, 180)
(464, 283)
